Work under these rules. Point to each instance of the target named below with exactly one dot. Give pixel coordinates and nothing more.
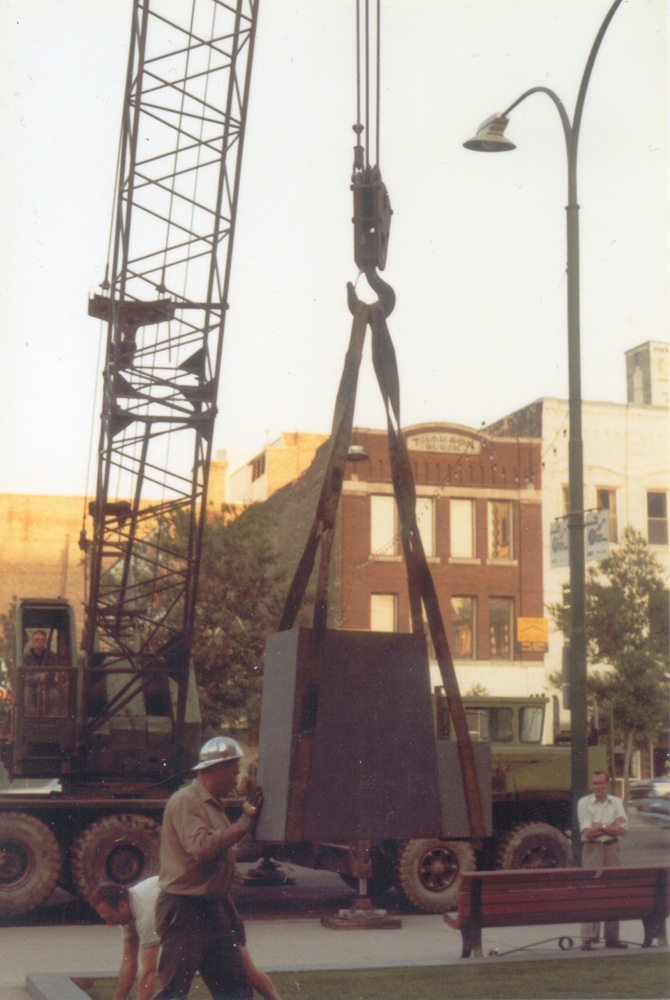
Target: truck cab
(514, 722)
(47, 689)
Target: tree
(625, 630)
(240, 598)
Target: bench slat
(557, 915)
(576, 894)
(557, 877)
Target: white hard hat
(220, 749)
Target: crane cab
(46, 689)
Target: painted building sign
(442, 441)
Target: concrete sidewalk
(35, 961)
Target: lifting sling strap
(420, 581)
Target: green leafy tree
(627, 629)
(240, 599)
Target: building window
(258, 467)
(500, 529)
(463, 628)
(384, 612)
(500, 628)
(425, 519)
(606, 500)
(462, 522)
(657, 518)
(383, 526)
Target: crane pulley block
(372, 219)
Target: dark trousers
(200, 934)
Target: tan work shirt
(191, 861)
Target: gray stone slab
(53, 986)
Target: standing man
(602, 821)
(133, 910)
(197, 922)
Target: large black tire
(120, 849)
(534, 845)
(428, 871)
(30, 862)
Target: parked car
(655, 811)
(650, 788)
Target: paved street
(645, 845)
(317, 892)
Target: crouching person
(133, 910)
(198, 924)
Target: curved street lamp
(490, 138)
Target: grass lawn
(621, 978)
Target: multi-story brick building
(479, 513)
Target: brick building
(40, 554)
(276, 465)
(479, 513)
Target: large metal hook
(385, 294)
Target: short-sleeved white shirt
(590, 810)
(142, 899)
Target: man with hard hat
(198, 924)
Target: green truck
(530, 802)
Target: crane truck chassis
(97, 818)
(108, 777)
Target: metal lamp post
(490, 138)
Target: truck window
(531, 721)
(478, 724)
(500, 725)
(45, 637)
(46, 694)
(494, 724)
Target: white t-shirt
(142, 898)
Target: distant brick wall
(40, 554)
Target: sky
(477, 250)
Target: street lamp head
(490, 138)
(357, 453)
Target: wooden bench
(561, 896)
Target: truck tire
(120, 849)
(30, 862)
(534, 845)
(428, 870)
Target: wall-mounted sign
(532, 635)
(455, 444)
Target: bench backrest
(555, 895)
